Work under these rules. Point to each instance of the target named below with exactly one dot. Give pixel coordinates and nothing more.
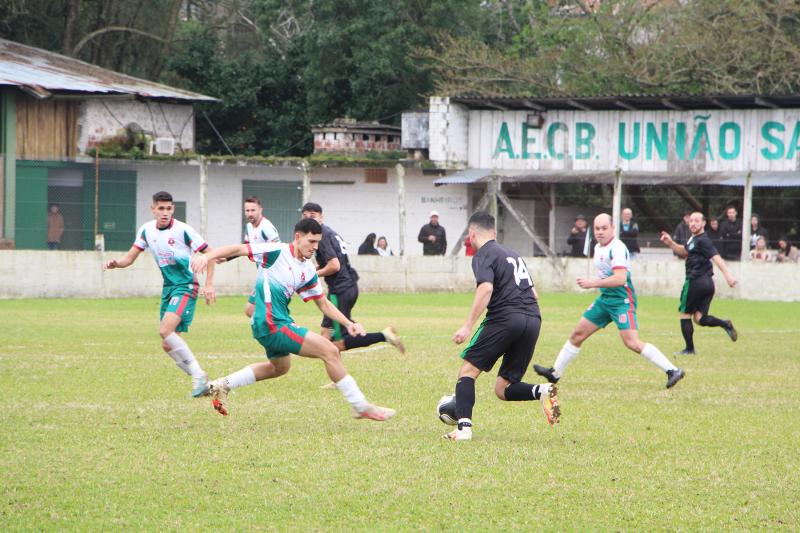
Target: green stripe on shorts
(473, 339)
(684, 297)
(337, 328)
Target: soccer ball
(446, 410)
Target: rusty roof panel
(35, 70)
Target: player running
(698, 289)
(258, 230)
(333, 264)
(509, 330)
(617, 303)
(283, 270)
(172, 243)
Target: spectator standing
(786, 252)
(713, 233)
(383, 247)
(55, 228)
(368, 246)
(731, 232)
(760, 254)
(433, 237)
(756, 231)
(629, 232)
(577, 237)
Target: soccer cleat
(374, 412)
(549, 373)
(219, 396)
(329, 386)
(552, 411)
(731, 331)
(394, 339)
(200, 386)
(685, 352)
(674, 376)
(464, 433)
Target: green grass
(97, 431)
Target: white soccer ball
(446, 410)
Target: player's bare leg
(248, 375)
(522, 392)
(583, 330)
(319, 347)
(630, 337)
(179, 351)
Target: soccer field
(98, 432)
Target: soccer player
(284, 269)
(509, 330)
(698, 289)
(617, 303)
(172, 243)
(259, 229)
(333, 264)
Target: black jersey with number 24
(512, 284)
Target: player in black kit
(333, 264)
(698, 289)
(509, 330)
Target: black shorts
(513, 338)
(344, 301)
(697, 295)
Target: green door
(281, 201)
(31, 206)
(117, 208)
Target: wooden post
(203, 197)
(617, 200)
(484, 201)
(747, 212)
(551, 222)
(493, 187)
(401, 207)
(522, 222)
(8, 115)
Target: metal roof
(732, 179)
(629, 102)
(41, 73)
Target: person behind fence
(629, 232)
(681, 233)
(433, 236)
(55, 227)
(383, 248)
(368, 246)
(760, 254)
(577, 237)
(731, 231)
(712, 232)
(786, 252)
(757, 230)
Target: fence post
(306, 181)
(203, 197)
(747, 210)
(401, 207)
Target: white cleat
(552, 411)
(374, 412)
(393, 338)
(459, 434)
(219, 396)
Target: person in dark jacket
(681, 233)
(757, 230)
(731, 231)
(368, 246)
(433, 237)
(577, 237)
(629, 232)
(712, 231)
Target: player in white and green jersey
(171, 242)
(616, 303)
(258, 230)
(285, 269)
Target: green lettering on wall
(652, 140)
(701, 139)
(634, 153)
(503, 143)
(737, 140)
(793, 147)
(766, 134)
(554, 128)
(584, 135)
(680, 140)
(527, 141)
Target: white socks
(241, 378)
(183, 356)
(565, 356)
(654, 355)
(349, 389)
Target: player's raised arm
(723, 267)
(124, 261)
(330, 311)
(617, 279)
(679, 249)
(201, 262)
(209, 292)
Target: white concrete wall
(60, 274)
(448, 132)
(102, 118)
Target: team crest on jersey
(691, 246)
(171, 241)
(623, 318)
(302, 276)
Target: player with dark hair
(698, 289)
(172, 243)
(285, 269)
(616, 303)
(509, 330)
(333, 264)
(258, 230)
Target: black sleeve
(326, 250)
(708, 249)
(444, 241)
(422, 237)
(483, 268)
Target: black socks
(359, 341)
(521, 392)
(465, 397)
(688, 333)
(712, 321)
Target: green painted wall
(281, 201)
(31, 205)
(117, 208)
